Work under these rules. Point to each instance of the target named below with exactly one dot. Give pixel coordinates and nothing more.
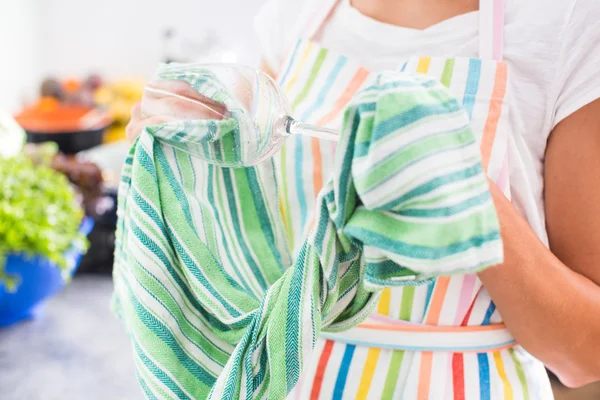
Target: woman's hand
(166, 101)
(170, 100)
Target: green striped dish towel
(205, 283)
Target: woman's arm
(551, 301)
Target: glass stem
(294, 127)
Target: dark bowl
(69, 142)
(100, 256)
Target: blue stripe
(289, 66)
(435, 184)
(484, 377)
(263, 215)
(343, 198)
(292, 329)
(166, 170)
(410, 163)
(429, 294)
(413, 115)
(488, 314)
(190, 263)
(328, 84)
(165, 259)
(257, 272)
(299, 174)
(484, 366)
(384, 243)
(159, 374)
(362, 148)
(404, 347)
(213, 204)
(472, 86)
(145, 387)
(468, 204)
(166, 336)
(181, 314)
(340, 383)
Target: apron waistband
(386, 333)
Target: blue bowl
(39, 279)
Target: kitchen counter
(75, 350)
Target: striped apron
(443, 340)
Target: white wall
(116, 38)
(123, 37)
(19, 62)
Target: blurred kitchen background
(70, 72)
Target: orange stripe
(425, 375)
(342, 101)
(317, 166)
(491, 124)
(283, 216)
(437, 300)
(426, 357)
(433, 316)
(432, 328)
(320, 373)
(508, 392)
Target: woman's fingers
(178, 98)
(177, 108)
(134, 129)
(131, 129)
(171, 100)
(138, 122)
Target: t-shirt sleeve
(276, 26)
(579, 62)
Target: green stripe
(421, 232)
(389, 387)
(419, 151)
(312, 77)
(520, 373)
(447, 73)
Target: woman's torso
(318, 82)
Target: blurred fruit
(118, 98)
(72, 86)
(51, 88)
(93, 82)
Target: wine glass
(230, 115)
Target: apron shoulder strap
(491, 29)
(316, 19)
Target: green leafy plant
(39, 214)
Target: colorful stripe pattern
(201, 273)
(376, 373)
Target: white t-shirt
(552, 48)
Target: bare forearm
(552, 311)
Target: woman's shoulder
(543, 30)
(550, 15)
(554, 45)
